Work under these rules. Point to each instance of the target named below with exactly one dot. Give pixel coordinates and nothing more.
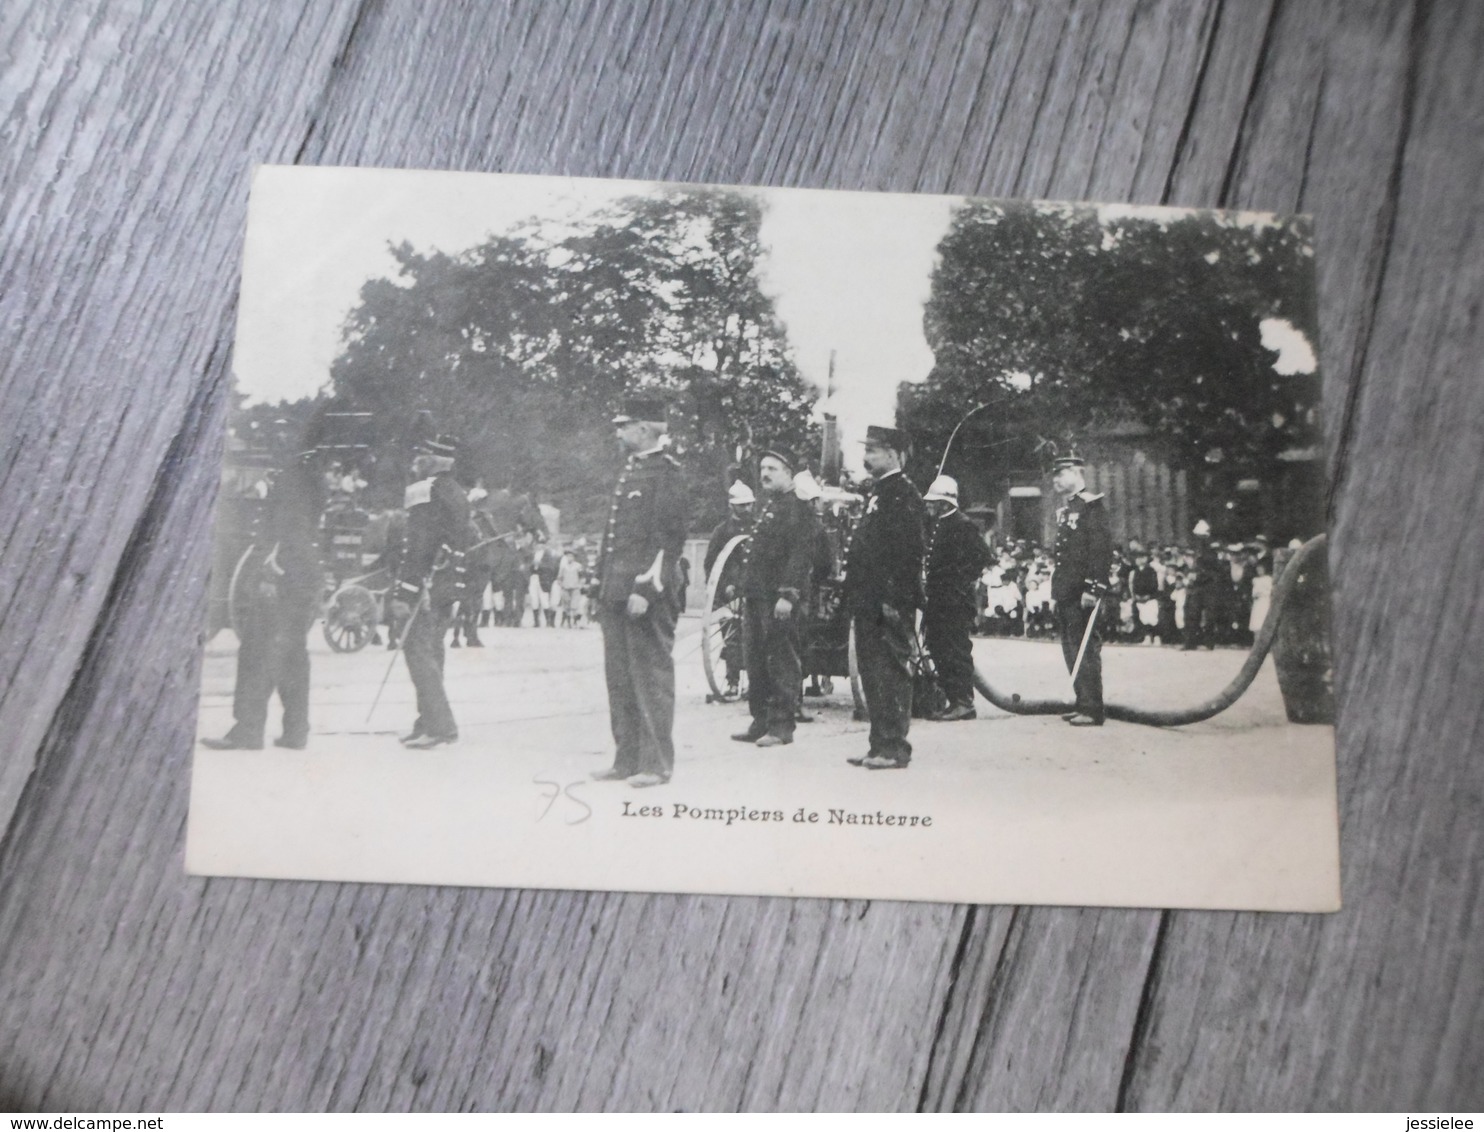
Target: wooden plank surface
(122, 207)
(125, 984)
(1381, 1007)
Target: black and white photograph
(620, 535)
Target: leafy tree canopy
(525, 346)
(1067, 319)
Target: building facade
(1152, 500)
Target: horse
(502, 525)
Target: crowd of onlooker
(1211, 594)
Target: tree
(526, 345)
(678, 275)
(1069, 318)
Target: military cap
(893, 438)
(641, 409)
(442, 445)
(740, 495)
(1070, 460)
(779, 453)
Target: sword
(482, 543)
(393, 662)
(1092, 621)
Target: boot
(234, 740)
(428, 742)
(956, 712)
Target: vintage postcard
(674, 538)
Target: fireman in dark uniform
(883, 591)
(278, 587)
(1201, 592)
(740, 502)
(775, 583)
(639, 597)
(1079, 580)
(429, 585)
(956, 556)
(822, 571)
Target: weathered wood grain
(1045, 1017)
(125, 984)
(1381, 1006)
(1043, 1011)
(1097, 64)
(122, 191)
(753, 1071)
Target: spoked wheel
(721, 630)
(350, 618)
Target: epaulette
(1089, 496)
(416, 493)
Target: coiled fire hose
(1283, 586)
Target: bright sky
(316, 234)
(848, 271)
(1295, 354)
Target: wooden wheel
(721, 628)
(350, 618)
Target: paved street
(542, 689)
(1056, 814)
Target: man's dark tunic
(647, 517)
(955, 559)
(883, 591)
(547, 563)
(780, 559)
(438, 532)
(280, 586)
(1143, 583)
(1083, 557)
(1201, 598)
(1143, 586)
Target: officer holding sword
(429, 585)
(1079, 584)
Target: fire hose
(1283, 586)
